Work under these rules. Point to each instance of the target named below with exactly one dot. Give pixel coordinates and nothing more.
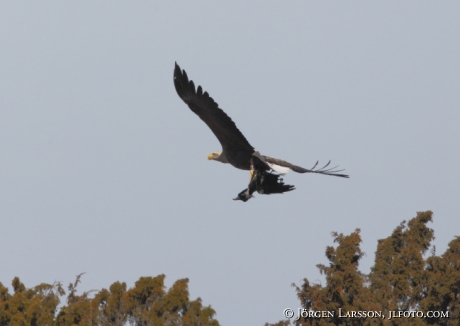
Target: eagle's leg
(251, 171)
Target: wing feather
(298, 169)
(208, 110)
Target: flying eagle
(236, 150)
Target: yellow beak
(210, 156)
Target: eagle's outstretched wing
(204, 106)
(324, 170)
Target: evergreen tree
(401, 280)
(148, 303)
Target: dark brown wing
(324, 170)
(204, 106)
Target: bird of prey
(265, 171)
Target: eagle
(265, 171)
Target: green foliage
(147, 304)
(400, 280)
(443, 288)
(403, 278)
(34, 306)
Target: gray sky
(104, 169)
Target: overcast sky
(103, 168)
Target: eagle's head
(218, 156)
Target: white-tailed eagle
(236, 150)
